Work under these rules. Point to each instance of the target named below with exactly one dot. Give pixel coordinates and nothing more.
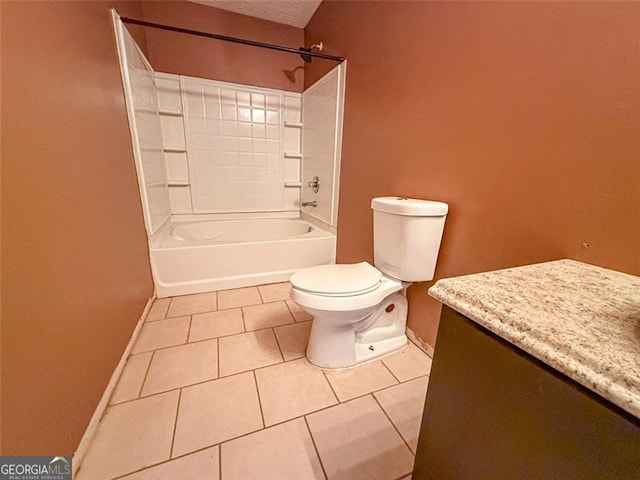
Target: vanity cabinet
(494, 412)
(536, 375)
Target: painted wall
(216, 60)
(524, 117)
(75, 266)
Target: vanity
(536, 375)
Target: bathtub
(201, 256)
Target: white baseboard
(90, 431)
(421, 344)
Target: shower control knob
(314, 184)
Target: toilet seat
(338, 280)
(371, 288)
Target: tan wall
(524, 117)
(206, 58)
(75, 268)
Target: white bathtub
(201, 256)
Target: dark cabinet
(494, 412)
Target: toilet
(360, 310)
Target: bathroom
(521, 117)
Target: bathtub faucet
(310, 204)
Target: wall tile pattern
(235, 142)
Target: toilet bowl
(360, 310)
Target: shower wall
(322, 109)
(146, 134)
(229, 148)
(236, 147)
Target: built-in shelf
(174, 149)
(292, 155)
(292, 184)
(178, 183)
(170, 113)
(293, 124)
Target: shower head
(308, 58)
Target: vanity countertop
(582, 320)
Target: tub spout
(314, 203)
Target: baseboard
(90, 431)
(421, 344)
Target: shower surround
(232, 169)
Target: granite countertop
(582, 320)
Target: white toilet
(360, 311)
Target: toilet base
(369, 351)
(338, 345)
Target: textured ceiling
(290, 12)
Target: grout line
(260, 293)
(385, 366)
(189, 328)
(255, 382)
(216, 300)
(255, 369)
(209, 339)
(278, 344)
(149, 467)
(166, 314)
(146, 374)
(346, 400)
(313, 440)
(218, 358)
(244, 324)
(186, 315)
(331, 387)
(175, 424)
(219, 462)
(393, 424)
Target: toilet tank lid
(410, 206)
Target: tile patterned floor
(217, 388)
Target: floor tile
(238, 297)
(190, 304)
(197, 466)
(266, 315)
(162, 333)
(293, 339)
(404, 405)
(159, 309)
(275, 292)
(408, 363)
(131, 436)
(292, 389)
(283, 452)
(216, 411)
(298, 313)
(130, 381)
(360, 380)
(248, 351)
(181, 366)
(356, 441)
(216, 324)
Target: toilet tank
(406, 236)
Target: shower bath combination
(222, 240)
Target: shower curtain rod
(224, 38)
